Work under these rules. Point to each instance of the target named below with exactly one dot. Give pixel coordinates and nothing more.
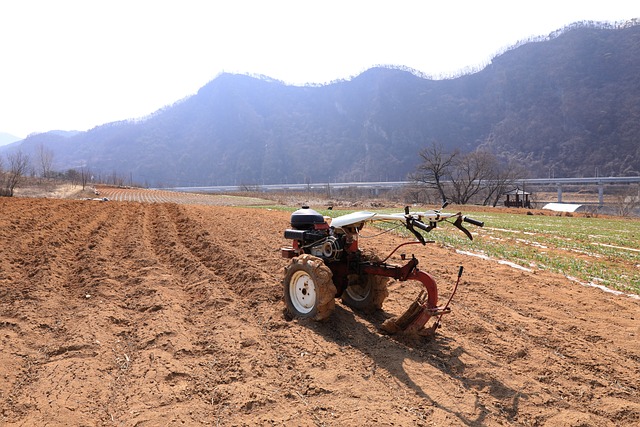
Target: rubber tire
(368, 292)
(309, 291)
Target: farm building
(517, 199)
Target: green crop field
(601, 251)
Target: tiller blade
(419, 312)
(415, 318)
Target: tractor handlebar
(425, 221)
(411, 222)
(434, 217)
(473, 221)
(422, 226)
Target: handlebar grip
(422, 226)
(473, 221)
(410, 224)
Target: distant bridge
(375, 186)
(294, 187)
(600, 181)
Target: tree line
(17, 165)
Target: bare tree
(45, 161)
(415, 193)
(463, 177)
(435, 168)
(18, 166)
(470, 173)
(85, 174)
(505, 177)
(627, 202)
(73, 176)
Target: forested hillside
(566, 105)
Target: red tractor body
(327, 263)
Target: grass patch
(604, 251)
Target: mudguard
(351, 219)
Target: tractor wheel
(366, 292)
(309, 291)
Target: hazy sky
(68, 64)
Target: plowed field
(154, 314)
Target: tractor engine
(312, 235)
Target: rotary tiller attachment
(414, 319)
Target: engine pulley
(327, 248)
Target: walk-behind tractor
(326, 263)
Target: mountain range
(6, 138)
(567, 104)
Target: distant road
(395, 184)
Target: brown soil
(154, 314)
